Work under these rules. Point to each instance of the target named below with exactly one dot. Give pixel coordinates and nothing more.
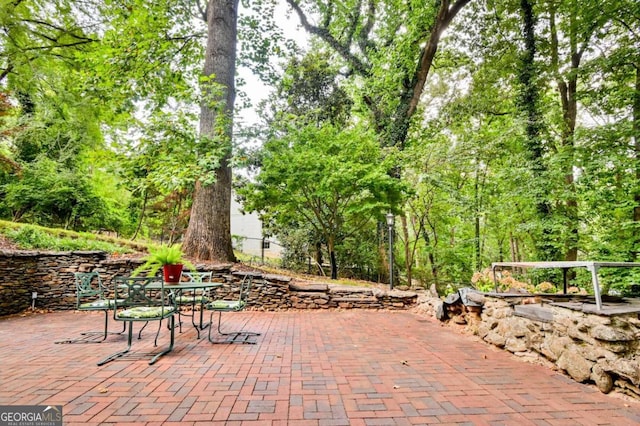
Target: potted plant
(169, 258)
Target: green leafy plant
(31, 237)
(160, 256)
(483, 281)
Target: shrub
(483, 281)
(33, 237)
(546, 287)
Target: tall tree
(326, 177)
(529, 103)
(372, 38)
(567, 88)
(208, 235)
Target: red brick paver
(308, 368)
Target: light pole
(390, 223)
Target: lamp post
(390, 223)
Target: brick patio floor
(352, 367)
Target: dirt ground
(5, 244)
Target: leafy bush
(546, 287)
(31, 237)
(483, 281)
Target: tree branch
(203, 10)
(77, 43)
(6, 72)
(443, 19)
(57, 28)
(324, 34)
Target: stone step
(534, 312)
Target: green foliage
(49, 194)
(160, 256)
(310, 92)
(335, 181)
(72, 75)
(168, 154)
(297, 250)
(31, 237)
(505, 282)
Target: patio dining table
(189, 286)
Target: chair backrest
(88, 284)
(245, 288)
(135, 291)
(197, 277)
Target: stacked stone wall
(590, 348)
(50, 275)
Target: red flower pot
(172, 273)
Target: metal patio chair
(238, 305)
(193, 297)
(91, 295)
(142, 299)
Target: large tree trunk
(529, 103)
(476, 220)
(411, 93)
(636, 147)
(208, 235)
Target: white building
(246, 232)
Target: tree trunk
(529, 102)
(142, 212)
(568, 92)
(208, 235)
(636, 147)
(408, 255)
(476, 217)
(431, 250)
(410, 96)
(319, 260)
(395, 133)
(332, 258)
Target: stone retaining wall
(590, 348)
(50, 275)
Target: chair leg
(193, 318)
(140, 332)
(92, 336)
(203, 326)
(172, 327)
(180, 318)
(120, 353)
(231, 337)
(94, 333)
(155, 342)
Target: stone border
(603, 350)
(50, 275)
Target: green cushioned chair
(238, 305)
(143, 299)
(91, 295)
(193, 297)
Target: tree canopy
(514, 124)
